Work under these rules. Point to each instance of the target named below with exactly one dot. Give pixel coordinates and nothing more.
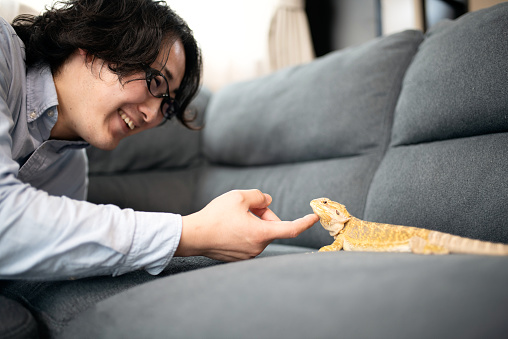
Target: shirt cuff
(156, 238)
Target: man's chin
(105, 145)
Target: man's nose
(151, 109)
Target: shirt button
(33, 115)
(51, 114)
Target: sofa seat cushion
(314, 295)
(54, 304)
(16, 321)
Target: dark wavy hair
(127, 34)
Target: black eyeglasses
(158, 86)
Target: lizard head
(332, 215)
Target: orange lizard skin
(353, 234)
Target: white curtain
(233, 36)
(9, 9)
(290, 42)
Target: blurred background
(244, 39)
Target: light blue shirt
(47, 230)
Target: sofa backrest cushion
(447, 165)
(336, 106)
(308, 131)
(457, 85)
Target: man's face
(96, 107)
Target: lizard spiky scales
(353, 234)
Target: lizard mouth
(330, 217)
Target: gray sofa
(408, 129)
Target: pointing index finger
(291, 229)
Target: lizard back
(360, 235)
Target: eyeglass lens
(159, 88)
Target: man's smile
(127, 120)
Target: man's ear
(84, 54)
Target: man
(94, 72)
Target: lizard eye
(324, 201)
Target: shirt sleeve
(47, 237)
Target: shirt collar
(41, 98)
(41, 92)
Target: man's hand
(235, 226)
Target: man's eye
(158, 81)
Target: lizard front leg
(335, 246)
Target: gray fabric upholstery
(291, 194)
(307, 131)
(457, 86)
(457, 186)
(450, 134)
(54, 304)
(315, 295)
(170, 190)
(338, 106)
(16, 322)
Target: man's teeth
(127, 120)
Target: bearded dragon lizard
(353, 234)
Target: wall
(475, 5)
(399, 15)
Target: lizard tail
(456, 244)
